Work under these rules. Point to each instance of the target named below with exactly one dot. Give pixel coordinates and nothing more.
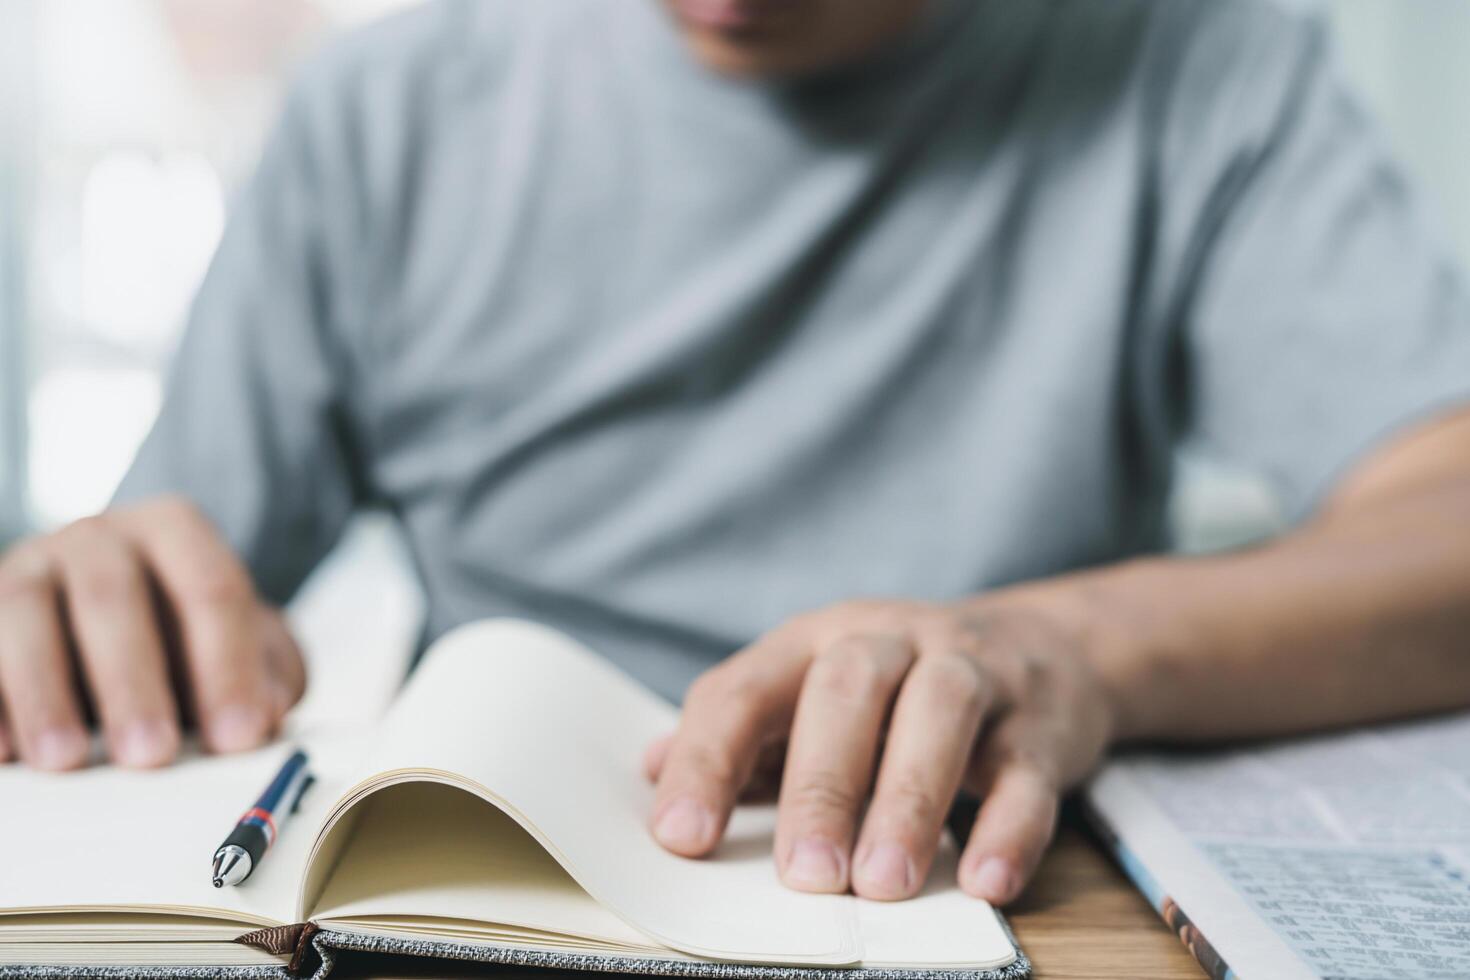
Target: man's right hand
(140, 621)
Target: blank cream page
(940, 927)
(465, 860)
(108, 838)
(557, 734)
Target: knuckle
(175, 506)
(730, 690)
(822, 796)
(1031, 764)
(974, 637)
(849, 672)
(707, 764)
(702, 688)
(801, 624)
(22, 582)
(106, 579)
(745, 703)
(95, 564)
(89, 528)
(1024, 674)
(712, 687)
(832, 621)
(1033, 672)
(963, 643)
(909, 802)
(217, 585)
(957, 681)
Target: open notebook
(498, 813)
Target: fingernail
(145, 744)
(994, 880)
(684, 825)
(886, 871)
(237, 727)
(815, 865)
(59, 748)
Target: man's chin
(772, 39)
(747, 59)
(736, 16)
(751, 39)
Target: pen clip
(305, 785)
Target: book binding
(329, 944)
(310, 944)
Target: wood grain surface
(1081, 918)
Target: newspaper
(1342, 857)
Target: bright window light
(86, 423)
(148, 228)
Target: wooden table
(1081, 918)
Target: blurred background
(125, 125)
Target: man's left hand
(876, 714)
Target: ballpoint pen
(241, 852)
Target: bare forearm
(1362, 615)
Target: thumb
(285, 665)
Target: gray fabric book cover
(327, 947)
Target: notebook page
(469, 861)
(557, 734)
(940, 927)
(108, 838)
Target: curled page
(553, 736)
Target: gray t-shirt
(663, 358)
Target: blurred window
(133, 122)
(15, 99)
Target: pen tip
(219, 882)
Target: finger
(765, 779)
(930, 740)
(1016, 821)
(729, 713)
(654, 757)
(7, 747)
(36, 677)
(110, 609)
(844, 702)
(210, 593)
(285, 664)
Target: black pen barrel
(251, 838)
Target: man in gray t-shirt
(668, 324)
